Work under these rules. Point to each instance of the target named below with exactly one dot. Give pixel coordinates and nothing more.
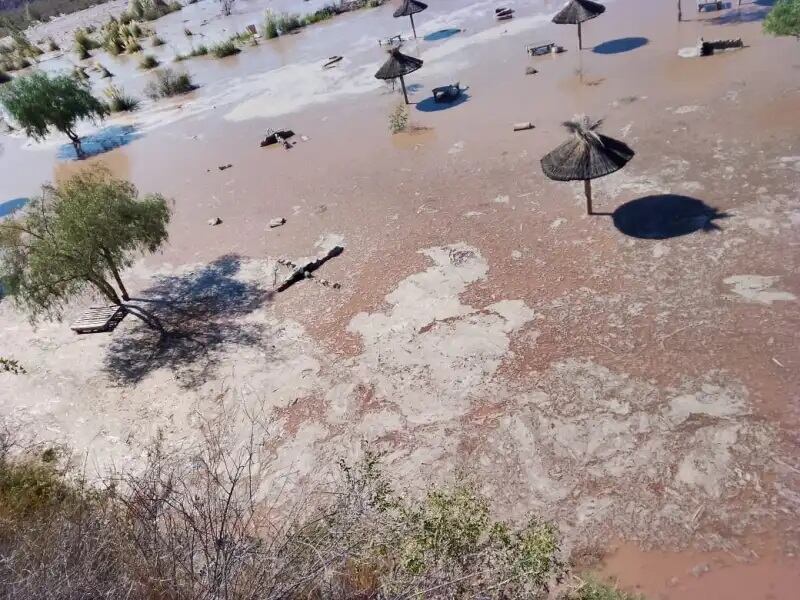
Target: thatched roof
(578, 11)
(398, 65)
(586, 155)
(410, 7)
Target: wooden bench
(98, 319)
(702, 4)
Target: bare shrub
(207, 522)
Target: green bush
(398, 119)
(591, 589)
(784, 18)
(148, 62)
(168, 83)
(224, 49)
(119, 101)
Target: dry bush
(210, 522)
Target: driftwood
(280, 136)
(305, 270)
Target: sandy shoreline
(483, 319)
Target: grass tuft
(168, 83)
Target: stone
(215, 221)
(701, 569)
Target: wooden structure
(408, 9)
(397, 66)
(577, 12)
(585, 156)
(447, 93)
(394, 40)
(98, 319)
(279, 136)
(540, 48)
(703, 4)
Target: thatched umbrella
(576, 12)
(408, 9)
(585, 156)
(397, 66)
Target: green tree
(79, 233)
(784, 18)
(40, 102)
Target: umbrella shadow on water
(430, 105)
(620, 45)
(442, 34)
(105, 140)
(664, 216)
(201, 312)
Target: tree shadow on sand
(101, 141)
(665, 216)
(201, 312)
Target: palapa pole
(403, 85)
(414, 29)
(580, 40)
(587, 189)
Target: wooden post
(587, 189)
(403, 84)
(680, 13)
(580, 40)
(414, 29)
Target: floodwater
(722, 130)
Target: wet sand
(620, 333)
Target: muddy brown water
(719, 129)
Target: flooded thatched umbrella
(576, 12)
(398, 66)
(586, 156)
(408, 9)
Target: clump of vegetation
(132, 46)
(591, 589)
(79, 74)
(150, 10)
(84, 43)
(398, 119)
(104, 73)
(784, 18)
(168, 83)
(148, 62)
(119, 101)
(40, 103)
(47, 257)
(223, 49)
(52, 46)
(158, 532)
(200, 50)
(9, 365)
(275, 25)
(156, 41)
(323, 14)
(187, 32)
